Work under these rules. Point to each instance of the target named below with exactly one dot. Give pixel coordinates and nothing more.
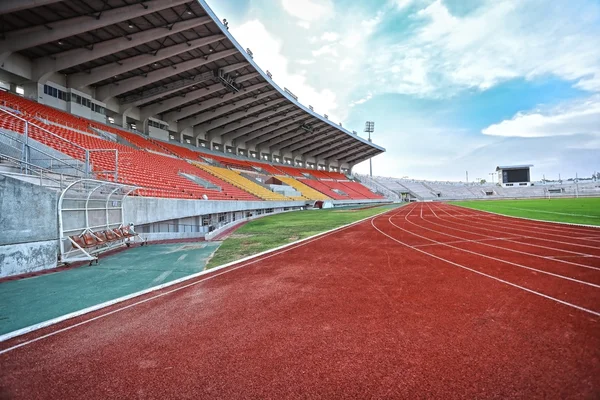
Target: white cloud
(402, 4)
(309, 10)
(346, 64)
(305, 62)
(498, 41)
(325, 50)
(591, 84)
(303, 24)
(368, 97)
(568, 119)
(267, 49)
(330, 36)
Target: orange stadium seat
(155, 166)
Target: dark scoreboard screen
(515, 175)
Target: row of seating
(157, 166)
(156, 173)
(94, 239)
(323, 188)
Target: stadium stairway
(234, 178)
(341, 187)
(306, 191)
(360, 190)
(326, 190)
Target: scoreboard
(517, 175)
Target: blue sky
(452, 85)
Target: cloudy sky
(452, 85)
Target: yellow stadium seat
(306, 191)
(234, 178)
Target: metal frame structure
(172, 60)
(88, 206)
(27, 149)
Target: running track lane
(356, 314)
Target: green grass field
(577, 211)
(276, 230)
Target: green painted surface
(572, 210)
(276, 230)
(29, 301)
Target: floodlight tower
(370, 128)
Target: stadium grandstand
(174, 224)
(154, 106)
(397, 189)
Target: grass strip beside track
(572, 210)
(276, 230)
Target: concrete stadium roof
(175, 61)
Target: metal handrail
(52, 158)
(88, 168)
(43, 129)
(41, 171)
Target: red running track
(426, 301)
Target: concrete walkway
(28, 301)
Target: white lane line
(552, 226)
(536, 222)
(549, 212)
(494, 258)
(467, 241)
(592, 238)
(597, 314)
(244, 262)
(182, 257)
(521, 227)
(471, 225)
(500, 247)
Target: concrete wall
(21, 258)
(28, 227)
(28, 212)
(146, 210)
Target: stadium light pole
(370, 128)
(492, 174)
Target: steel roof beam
(169, 89)
(233, 131)
(205, 105)
(330, 131)
(105, 92)
(36, 35)
(9, 6)
(339, 149)
(333, 149)
(45, 66)
(360, 158)
(217, 112)
(230, 68)
(310, 136)
(268, 127)
(345, 151)
(178, 101)
(285, 139)
(280, 135)
(98, 74)
(301, 146)
(272, 131)
(231, 117)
